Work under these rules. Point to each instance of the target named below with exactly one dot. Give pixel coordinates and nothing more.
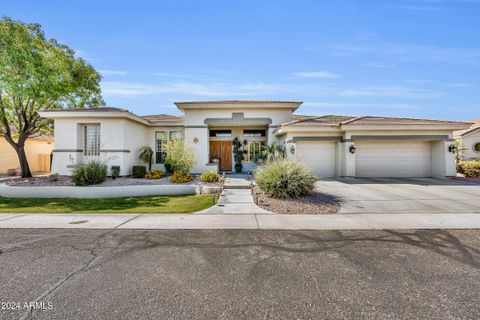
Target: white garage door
(393, 159)
(320, 156)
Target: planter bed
(316, 203)
(118, 182)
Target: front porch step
(225, 186)
(236, 183)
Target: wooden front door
(222, 150)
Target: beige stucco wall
(38, 155)
(468, 141)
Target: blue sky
(414, 58)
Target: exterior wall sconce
(452, 148)
(292, 150)
(352, 149)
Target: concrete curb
(96, 192)
(247, 221)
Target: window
(254, 149)
(253, 133)
(91, 140)
(220, 133)
(175, 135)
(160, 140)
(476, 147)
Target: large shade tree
(37, 73)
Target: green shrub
(154, 174)
(210, 176)
(180, 155)
(53, 177)
(471, 168)
(139, 172)
(285, 179)
(115, 171)
(181, 177)
(459, 167)
(93, 172)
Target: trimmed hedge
(115, 171)
(139, 172)
(210, 176)
(154, 174)
(285, 179)
(181, 177)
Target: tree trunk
(22, 158)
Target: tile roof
(335, 120)
(328, 120)
(475, 126)
(236, 101)
(162, 117)
(366, 120)
(101, 109)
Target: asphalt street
(239, 274)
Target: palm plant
(146, 155)
(459, 151)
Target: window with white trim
(91, 140)
(175, 135)
(254, 149)
(160, 141)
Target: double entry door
(222, 150)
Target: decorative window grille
(91, 140)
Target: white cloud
(125, 89)
(263, 90)
(106, 72)
(390, 91)
(169, 74)
(412, 52)
(352, 105)
(316, 74)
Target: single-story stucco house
(470, 139)
(333, 146)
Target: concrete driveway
(414, 195)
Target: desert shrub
(459, 167)
(180, 155)
(210, 176)
(154, 174)
(471, 168)
(115, 170)
(93, 172)
(181, 177)
(285, 179)
(53, 177)
(139, 172)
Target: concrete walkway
(236, 198)
(244, 221)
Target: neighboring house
(331, 145)
(470, 139)
(38, 151)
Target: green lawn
(149, 204)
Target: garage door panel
(319, 156)
(393, 159)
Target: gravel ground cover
(316, 203)
(121, 181)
